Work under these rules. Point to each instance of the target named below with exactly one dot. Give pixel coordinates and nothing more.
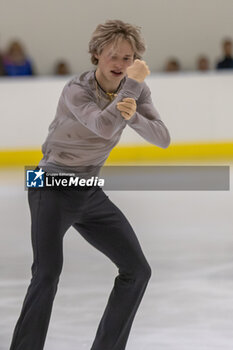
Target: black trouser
(104, 226)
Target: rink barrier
(137, 154)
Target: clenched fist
(127, 107)
(138, 71)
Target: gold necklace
(111, 95)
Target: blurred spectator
(203, 63)
(1, 65)
(227, 62)
(62, 68)
(172, 65)
(15, 61)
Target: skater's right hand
(138, 71)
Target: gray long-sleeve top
(88, 125)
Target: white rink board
(195, 107)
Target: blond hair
(111, 32)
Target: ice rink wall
(197, 108)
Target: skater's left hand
(127, 107)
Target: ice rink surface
(186, 236)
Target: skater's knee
(141, 273)
(144, 272)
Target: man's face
(114, 61)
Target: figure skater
(92, 112)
